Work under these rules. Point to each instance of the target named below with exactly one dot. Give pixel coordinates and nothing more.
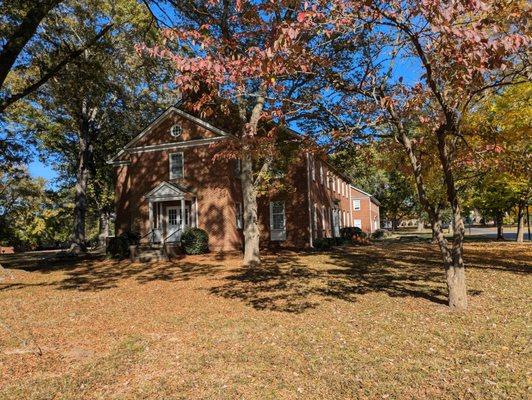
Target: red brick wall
(368, 213)
(328, 191)
(214, 183)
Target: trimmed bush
(328, 243)
(351, 232)
(118, 247)
(195, 241)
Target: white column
(193, 213)
(182, 215)
(150, 214)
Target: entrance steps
(154, 253)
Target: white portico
(171, 210)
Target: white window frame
(182, 165)
(277, 234)
(239, 211)
(357, 223)
(355, 207)
(172, 130)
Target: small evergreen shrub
(351, 232)
(323, 244)
(118, 247)
(195, 241)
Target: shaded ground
(367, 322)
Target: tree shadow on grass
(96, 273)
(292, 283)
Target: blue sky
(38, 169)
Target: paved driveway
(510, 233)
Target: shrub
(118, 247)
(328, 243)
(381, 234)
(351, 232)
(195, 241)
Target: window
(356, 204)
(176, 130)
(357, 223)
(172, 216)
(239, 216)
(277, 221)
(176, 166)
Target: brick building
(168, 179)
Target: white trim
(359, 205)
(182, 165)
(277, 235)
(158, 120)
(179, 193)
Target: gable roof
(166, 190)
(372, 198)
(157, 121)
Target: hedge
(195, 241)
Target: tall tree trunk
(528, 222)
(251, 227)
(499, 224)
(456, 279)
(103, 228)
(82, 177)
(520, 223)
(452, 258)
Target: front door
(173, 224)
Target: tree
(249, 60)
(462, 49)
(29, 53)
(96, 103)
(499, 133)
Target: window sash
(356, 204)
(177, 165)
(278, 215)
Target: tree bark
(23, 33)
(420, 225)
(103, 228)
(520, 223)
(251, 227)
(499, 224)
(452, 257)
(528, 221)
(456, 281)
(82, 177)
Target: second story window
(356, 204)
(176, 166)
(176, 130)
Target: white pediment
(166, 191)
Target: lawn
(361, 323)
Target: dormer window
(176, 130)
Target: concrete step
(152, 255)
